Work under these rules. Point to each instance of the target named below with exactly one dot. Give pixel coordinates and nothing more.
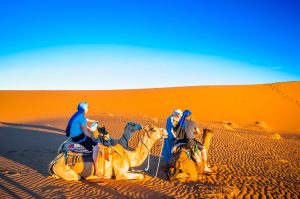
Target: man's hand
(92, 121)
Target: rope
(148, 165)
(141, 140)
(159, 157)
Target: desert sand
(255, 150)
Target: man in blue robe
(169, 142)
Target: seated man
(169, 142)
(80, 133)
(186, 129)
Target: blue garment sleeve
(168, 142)
(82, 120)
(169, 127)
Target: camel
(120, 160)
(130, 128)
(182, 164)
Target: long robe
(168, 142)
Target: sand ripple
(247, 164)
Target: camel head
(206, 130)
(155, 133)
(132, 126)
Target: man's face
(177, 117)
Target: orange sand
(277, 106)
(254, 152)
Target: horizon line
(153, 88)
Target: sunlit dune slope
(276, 105)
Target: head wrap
(181, 122)
(177, 112)
(82, 106)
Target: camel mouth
(140, 127)
(164, 133)
(135, 126)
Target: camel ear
(152, 127)
(146, 128)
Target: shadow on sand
(24, 144)
(34, 126)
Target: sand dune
(275, 104)
(254, 150)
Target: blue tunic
(168, 142)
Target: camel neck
(126, 136)
(138, 156)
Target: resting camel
(128, 130)
(120, 160)
(183, 166)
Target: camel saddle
(77, 153)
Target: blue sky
(140, 44)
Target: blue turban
(181, 124)
(82, 106)
(182, 119)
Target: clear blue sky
(40, 40)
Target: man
(187, 129)
(169, 142)
(80, 133)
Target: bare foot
(99, 174)
(94, 177)
(207, 171)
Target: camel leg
(121, 171)
(130, 176)
(62, 170)
(134, 176)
